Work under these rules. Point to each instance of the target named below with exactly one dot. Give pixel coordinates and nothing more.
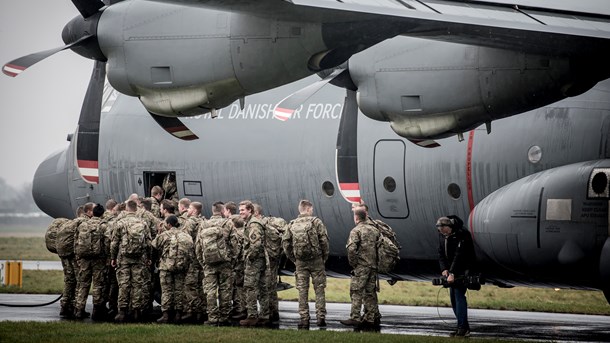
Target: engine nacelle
(183, 61)
(429, 89)
(546, 223)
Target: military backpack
(304, 239)
(388, 249)
(177, 251)
(133, 239)
(274, 228)
(50, 237)
(215, 245)
(90, 241)
(65, 237)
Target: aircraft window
(534, 154)
(599, 184)
(454, 191)
(389, 184)
(328, 188)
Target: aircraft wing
(560, 27)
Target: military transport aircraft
(534, 192)
(190, 57)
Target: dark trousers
(460, 306)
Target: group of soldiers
(214, 271)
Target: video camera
(472, 282)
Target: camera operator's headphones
(455, 223)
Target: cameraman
(456, 257)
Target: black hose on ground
(32, 305)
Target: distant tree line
(16, 199)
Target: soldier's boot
(350, 322)
(303, 324)
(67, 312)
(178, 317)
(321, 322)
(164, 318)
(275, 317)
(79, 314)
(121, 317)
(263, 322)
(239, 316)
(188, 317)
(248, 321)
(137, 316)
(99, 313)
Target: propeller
(175, 127)
(346, 162)
(604, 268)
(285, 108)
(78, 35)
(88, 130)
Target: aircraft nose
(50, 186)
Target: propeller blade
(285, 108)
(175, 127)
(16, 66)
(88, 131)
(347, 150)
(88, 8)
(425, 143)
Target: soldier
(362, 256)
(273, 246)
(256, 267)
(238, 295)
(305, 243)
(194, 293)
(175, 250)
(130, 251)
(217, 245)
(156, 197)
(65, 250)
(143, 212)
(112, 289)
(169, 187)
(110, 205)
(384, 229)
(89, 250)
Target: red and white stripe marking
(282, 114)
(182, 132)
(426, 143)
(350, 191)
(89, 171)
(12, 70)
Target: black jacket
(456, 252)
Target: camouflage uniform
(91, 269)
(313, 268)
(111, 286)
(218, 277)
(172, 281)
(256, 272)
(155, 207)
(274, 251)
(362, 256)
(194, 296)
(152, 223)
(70, 268)
(132, 272)
(239, 296)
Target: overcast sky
(41, 106)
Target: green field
(25, 248)
(17, 332)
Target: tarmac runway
(405, 320)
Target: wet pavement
(407, 320)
